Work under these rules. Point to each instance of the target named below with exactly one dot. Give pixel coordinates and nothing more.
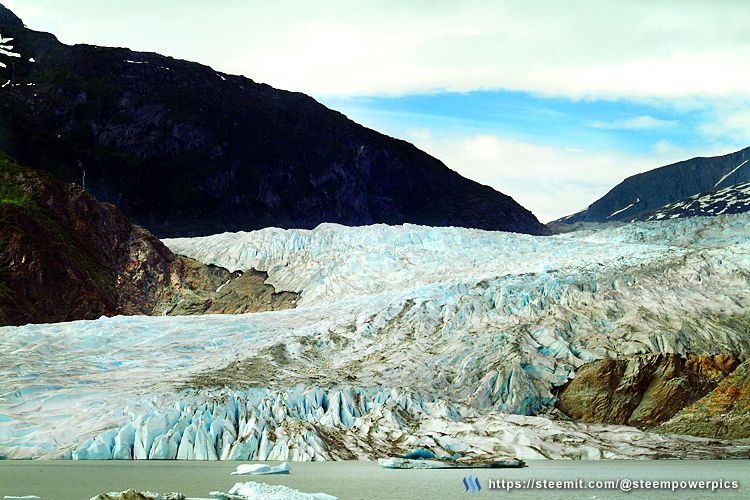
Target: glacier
(448, 339)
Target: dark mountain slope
(651, 190)
(184, 150)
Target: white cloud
(594, 50)
(728, 125)
(588, 49)
(550, 181)
(635, 123)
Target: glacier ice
(299, 425)
(405, 336)
(260, 469)
(260, 491)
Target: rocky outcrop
(240, 293)
(65, 256)
(723, 413)
(642, 390)
(184, 150)
(132, 494)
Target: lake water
(68, 480)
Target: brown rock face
(238, 293)
(64, 256)
(643, 390)
(724, 413)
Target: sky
(550, 102)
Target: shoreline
(63, 479)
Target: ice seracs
(405, 337)
(350, 423)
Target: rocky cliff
(65, 256)
(642, 390)
(186, 150)
(724, 413)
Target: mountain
(64, 256)
(186, 150)
(649, 191)
(730, 200)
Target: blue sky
(627, 125)
(552, 103)
(555, 155)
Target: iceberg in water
(258, 469)
(260, 491)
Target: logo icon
(472, 483)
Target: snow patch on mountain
(729, 173)
(730, 200)
(6, 50)
(623, 209)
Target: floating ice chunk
(258, 469)
(260, 491)
(128, 494)
(410, 463)
(407, 463)
(25, 497)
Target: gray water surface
(68, 480)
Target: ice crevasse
(405, 336)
